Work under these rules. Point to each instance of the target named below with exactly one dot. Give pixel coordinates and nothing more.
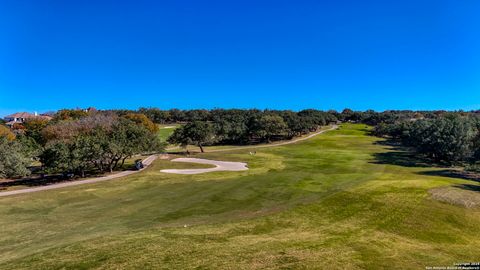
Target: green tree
(196, 133)
(448, 138)
(13, 161)
(267, 126)
(156, 115)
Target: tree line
(447, 138)
(248, 126)
(80, 142)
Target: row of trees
(183, 116)
(249, 126)
(76, 142)
(347, 115)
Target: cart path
(147, 161)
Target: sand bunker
(219, 166)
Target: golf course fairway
(340, 200)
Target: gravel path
(219, 166)
(147, 161)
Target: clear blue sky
(265, 54)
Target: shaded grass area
(36, 179)
(401, 155)
(455, 173)
(325, 203)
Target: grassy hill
(341, 200)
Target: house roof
(20, 115)
(27, 115)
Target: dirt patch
(464, 195)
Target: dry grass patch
(464, 195)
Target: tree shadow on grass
(34, 181)
(401, 156)
(468, 187)
(453, 174)
(407, 157)
(46, 180)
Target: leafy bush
(13, 160)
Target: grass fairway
(164, 131)
(323, 203)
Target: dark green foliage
(253, 126)
(156, 115)
(231, 126)
(449, 138)
(236, 126)
(30, 147)
(265, 127)
(13, 159)
(197, 133)
(176, 115)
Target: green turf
(164, 131)
(325, 203)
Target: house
(22, 117)
(90, 109)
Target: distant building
(22, 117)
(90, 109)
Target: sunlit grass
(164, 131)
(323, 203)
